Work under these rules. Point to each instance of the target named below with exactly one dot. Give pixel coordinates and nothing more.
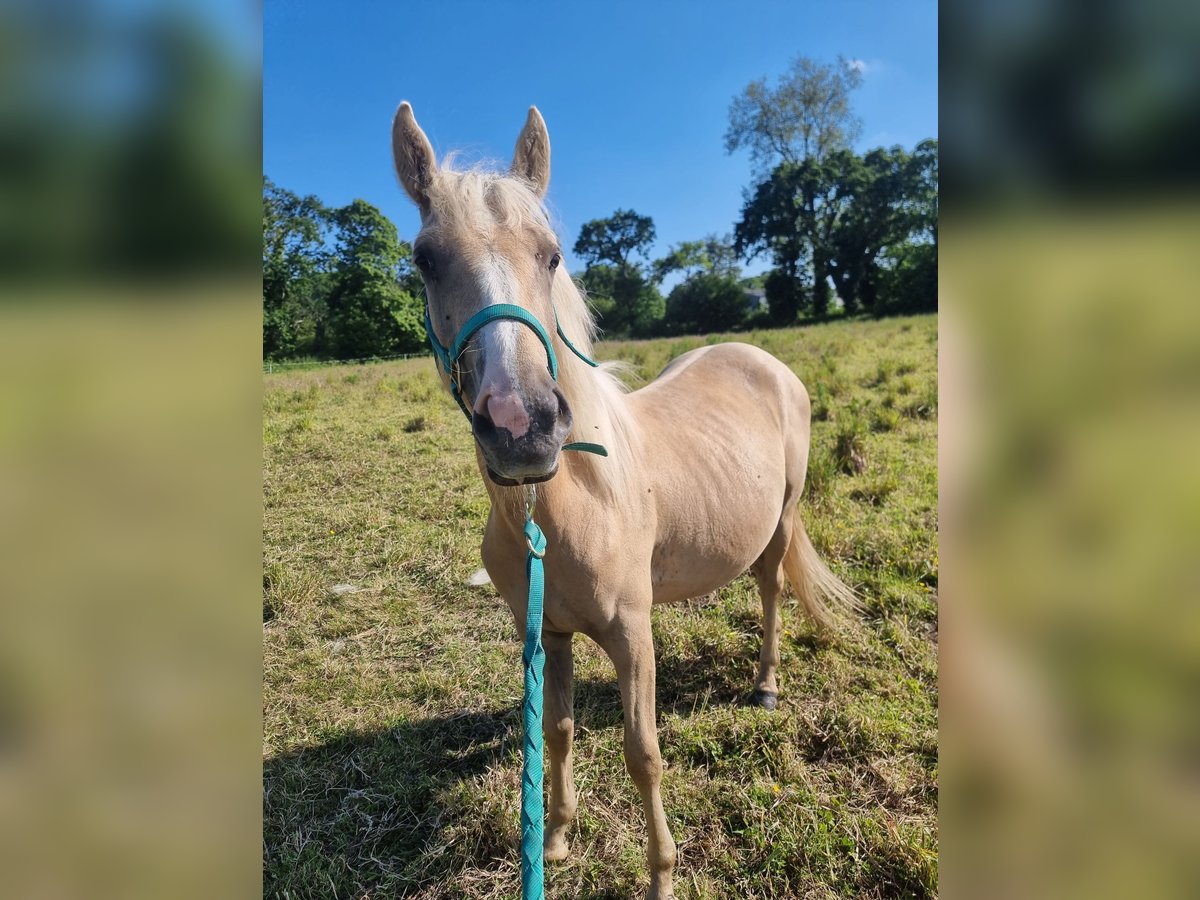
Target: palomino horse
(704, 469)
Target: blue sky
(635, 95)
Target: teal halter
(447, 360)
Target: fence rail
(298, 365)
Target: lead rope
(534, 658)
(533, 811)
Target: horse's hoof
(556, 850)
(766, 699)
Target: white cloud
(867, 66)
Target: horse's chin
(505, 481)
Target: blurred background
(1070, 490)
(130, 449)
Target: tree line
(337, 283)
(845, 233)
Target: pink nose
(506, 411)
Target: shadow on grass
(378, 810)
(406, 811)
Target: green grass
(392, 740)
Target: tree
(687, 257)
(924, 190)
(293, 259)
(785, 296)
(628, 301)
(891, 224)
(370, 312)
(706, 302)
(714, 255)
(791, 215)
(837, 220)
(614, 239)
(791, 131)
(877, 189)
(910, 276)
(625, 301)
(910, 280)
(806, 116)
(336, 283)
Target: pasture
(391, 686)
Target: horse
(704, 468)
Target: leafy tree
(793, 132)
(831, 220)
(714, 255)
(625, 301)
(370, 311)
(876, 217)
(785, 296)
(891, 223)
(806, 116)
(910, 281)
(293, 259)
(922, 191)
(622, 293)
(722, 257)
(614, 239)
(336, 283)
(706, 302)
(709, 298)
(687, 257)
(791, 215)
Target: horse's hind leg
(558, 726)
(769, 571)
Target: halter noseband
(447, 360)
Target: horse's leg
(769, 572)
(631, 649)
(558, 726)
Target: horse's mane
(491, 198)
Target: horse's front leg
(558, 725)
(631, 649)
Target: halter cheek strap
(448, 359)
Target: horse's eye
(554, 261)
(423, 263)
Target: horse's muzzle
(532, 455)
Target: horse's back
(728, 375)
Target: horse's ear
(531, 159)
(415, 162)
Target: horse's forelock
(479, 195)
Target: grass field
(392, 736)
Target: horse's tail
(822, 594)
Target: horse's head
(485, 241)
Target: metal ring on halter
(530, 509)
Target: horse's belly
(674, 585)
(712, 548)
